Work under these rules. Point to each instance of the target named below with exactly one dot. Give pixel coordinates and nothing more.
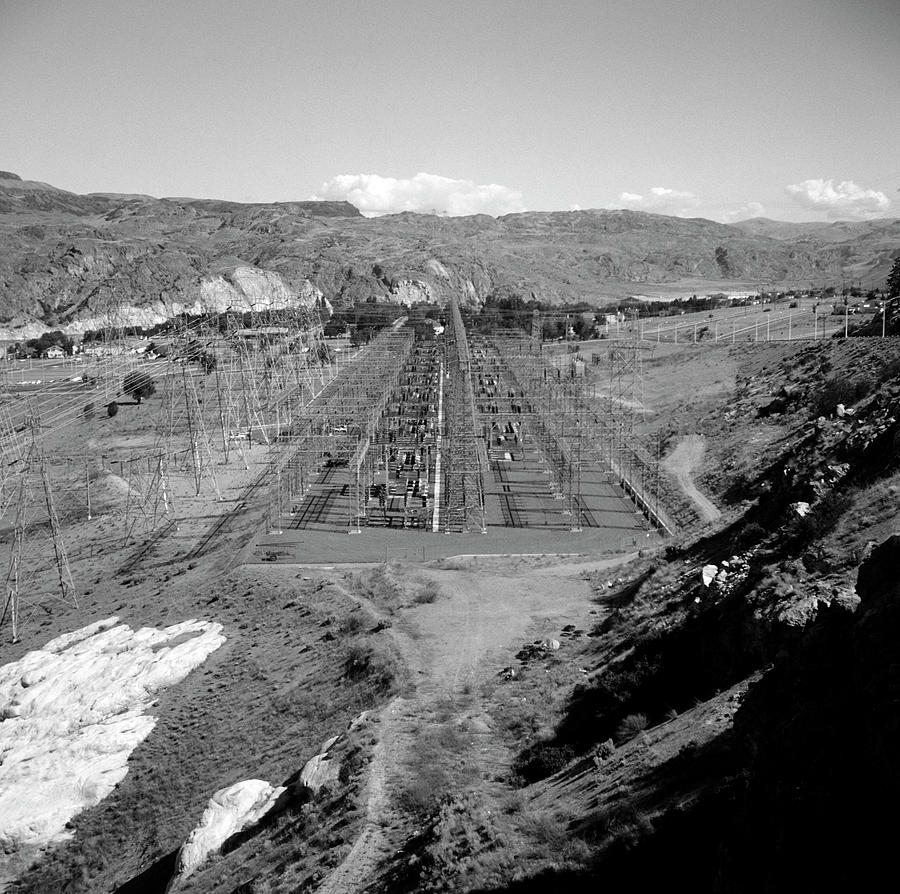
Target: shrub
(88, 411)
(820, 521)
(423, 791)
(547, 828)
(630, 727)
(836, 390)
(541, 760)
(112, 408)
(428, 594)
(139, 385)
(371, 662)
(356, 622)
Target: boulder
(323, 768)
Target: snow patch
(72, 713)
(229, 810)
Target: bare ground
(452, 646)
(682, 462)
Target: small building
(54, 352)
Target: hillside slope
(85, 259)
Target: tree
(722, 260)
(893, 280)
(139, 385)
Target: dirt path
(464, 638)
(686, 458)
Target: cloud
(660, 199)
(374, 194)
(745, 212)
(845, 199)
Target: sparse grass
(512, 803)
(380, 586)
(546, 827)
(436, 769)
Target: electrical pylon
(36, 538)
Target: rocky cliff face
(70, 261)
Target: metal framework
(325, 447)
(574, 432)
(465, 457)
(37, 546)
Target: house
(54, 352)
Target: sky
(726, 109)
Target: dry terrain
(517, 710)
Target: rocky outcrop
(821, 736)
(409, 291)
(230, 810)
(249, 288)
(323, 768)
(73, 711)
(243, 289)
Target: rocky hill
(82, 261)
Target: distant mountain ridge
(75, 260)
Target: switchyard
(255, 419)
(446, 434)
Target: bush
(373, 663)
(88, 411)
(836, 390)
(428, 594)
(820, 521)
(139, 385)
(541, 760)
(358, 621)
(630, 727)
(112, 408)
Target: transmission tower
(36, 546)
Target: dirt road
(686, 458)
(451, 646)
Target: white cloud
(660, 200)
(745, 212)
(845, 199)
(374, 194)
